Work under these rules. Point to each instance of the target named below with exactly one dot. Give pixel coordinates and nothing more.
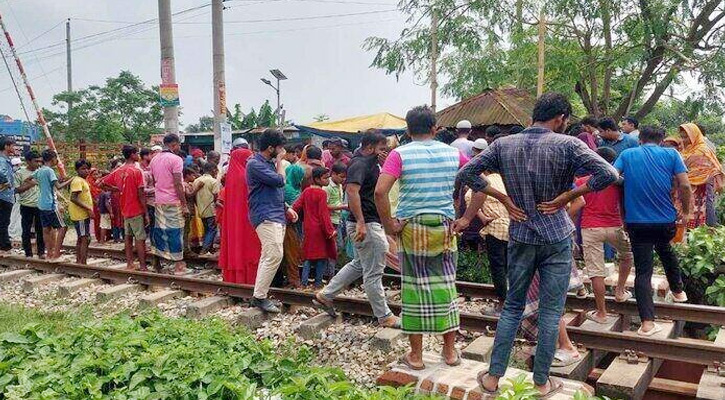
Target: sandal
(479, 378)
(627, 296)
(394, 325)
(563, 358)
(405, 361)
(650, 332)
(555, 385)
(592, 315)
(455, 363)
(324, 304)
(582, 293)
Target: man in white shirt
(463, 129)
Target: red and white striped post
(38, 110)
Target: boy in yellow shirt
(80, 209)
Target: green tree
(124, 109)
(615, 56)
(266, 116)
(205, 124)
(705, 112)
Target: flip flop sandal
(454, 363)
(404, 360)
(564, 358)
(479, 379)
(582, 294)
(592, 315)
(627, 296)
(651, 332)
(326, 307)
(555, 386)
(395, 325)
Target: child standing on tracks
(80, 209)
(128, 181)
(318, 244)
(334, 191)
(105, 209)
(50, 218)
(207, 189)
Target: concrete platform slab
(459, 382)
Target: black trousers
(29, 218)
(497, 252)
(645, 238)
(6, 209)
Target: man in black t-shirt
(367, 233)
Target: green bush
(153, 357)
(473, 267)
(702, 260)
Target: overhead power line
(110, 32)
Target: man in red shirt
(601, 223)
(129, 181)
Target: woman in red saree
(240, 247)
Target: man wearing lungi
(166, 169)
(537, 166)
(426, 170)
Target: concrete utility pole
(220, 96)
(69, 70)
(541, 61)
(168, 69)
(433, 59)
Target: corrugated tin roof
(509, 106)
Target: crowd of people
(535, 193)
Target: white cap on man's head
(464, 124)
(156, 148)
(15, 161)
(480, 144)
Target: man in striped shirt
(426, 170)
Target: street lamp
(280, 77)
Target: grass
(13, 318)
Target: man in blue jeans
(650, 216)
(537, 166)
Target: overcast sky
(323, 57)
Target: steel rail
(700, 353)
(672, 311)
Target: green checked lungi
(429, 257)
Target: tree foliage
(124, 109)
(263, 118)
(708, 114)
(205, 124)
(615, 56)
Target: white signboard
(226, 145)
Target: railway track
(697, 354)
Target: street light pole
(280, 77)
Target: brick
(396, 379)
(311, 328)
(206, 306)
(155, 298)
(252, 318)
(479, 349)
(69, 288)
(14, 275)
(33, 283)
(117, 291)
(386, 338)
